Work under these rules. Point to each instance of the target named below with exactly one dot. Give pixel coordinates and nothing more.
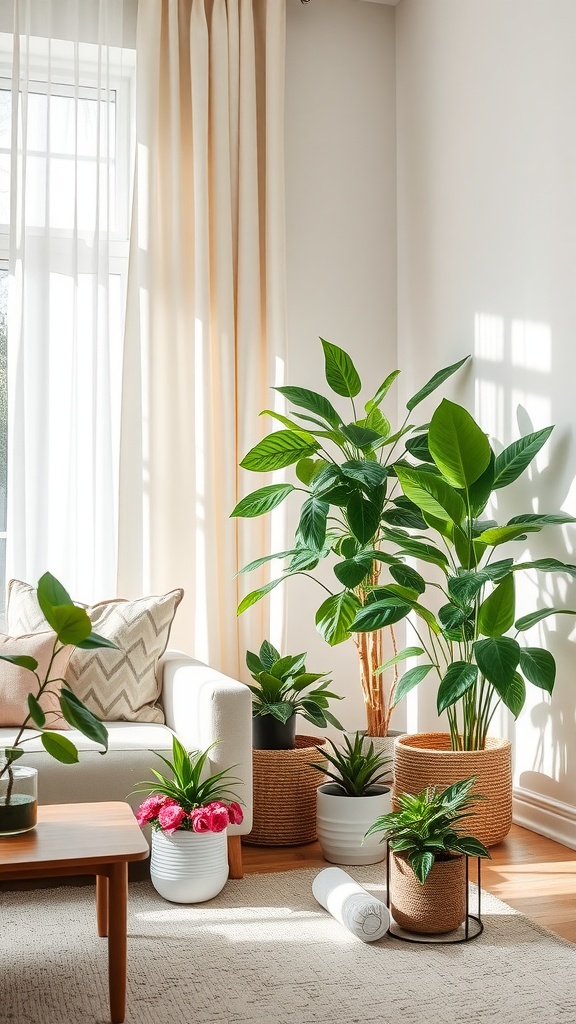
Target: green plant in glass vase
(471, 641)
(346, 481)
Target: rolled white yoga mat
(362, 914)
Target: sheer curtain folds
(66, 95)
(205, 331)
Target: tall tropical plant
(471, 643)
(345, 468)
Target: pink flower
(201, 820)
(170, 817)
(219, 819)
(235, 814)
(148, 809)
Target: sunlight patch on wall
(531, 346)
(489, 337)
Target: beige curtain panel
(205, 334)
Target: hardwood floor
(529, 872)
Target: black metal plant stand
(471, 928)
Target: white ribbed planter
(189, 867)
(343, 820)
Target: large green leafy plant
(428, 826)
(282, 688)
(72, 627)
(471, 642)
(345, 464)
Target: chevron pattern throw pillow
(118, 686)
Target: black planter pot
(270, 734)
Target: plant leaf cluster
(428, 826)
(72, 626)
(356, 766)
(282, 688)
(187, 783)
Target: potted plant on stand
(189, 812)
(345, 477)
(284, 782)
(351, 800)
(427, 867)
(471, 642)
(51, 708)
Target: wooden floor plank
(527, 871)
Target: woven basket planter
(438, 906)
(285, 787)
(426, 759)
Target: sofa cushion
(120, 685)
(17, 682)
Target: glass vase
(18, 797)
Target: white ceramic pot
(342, 822)
(189, 867)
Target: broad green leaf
(304, 558)
(514, 459)
(434, 383)
(409, 680)
(268, 654)
(59, 747)
(261, 501)
(406, 576)
(306, 469)
(514, 695)
(408, 652)
(266, 558)
(372, 474)
(341, 374)
(51, 593)
(548, 565)
(502, 534)
(326, 478)
(290, 665)
(379, 614)
(527, 621)
(257, 595)
(71, 624)
(363, 517)
(312, 525)
(22, 660)
(253, 662)
(458, 679)
(278, 450)
(539, 667)
(94, 641)
(497, 658)
(36, 712)
(286, 422)
(465, 587)
(335, 617)
(421, 864)
(382, 390)
(375, 420)
(431, 494)
(533, 519)
(453, 617)
(458, 445)
(405, 514)
(313, 402)
(80, 717)
(352, 571)
(496, 613)
(360, 437)
(418, 448)
(426, 552)
(480, 491)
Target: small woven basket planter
(438, 906)
(426, 759)
(285, 787)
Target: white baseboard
(545, 815)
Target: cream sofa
(201, 706)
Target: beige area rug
(264, 952)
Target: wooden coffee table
(85, 839)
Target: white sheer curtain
(206, 309)
(65, 147)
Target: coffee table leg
(117, 923)
(102, 905)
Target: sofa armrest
(204, 706)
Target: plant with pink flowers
(187, 801)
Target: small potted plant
(283, 689)
(427, 866)
(189, 812)
(51, 701)
(348, 803)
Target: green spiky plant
(427, 827)
(471, 643)
(345, 480)
(282, 688)
(187, 782)
(356, 766)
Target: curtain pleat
(205, 328)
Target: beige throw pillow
(117, 685)
(16, 683)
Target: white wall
(486, 113)
(341, 237)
